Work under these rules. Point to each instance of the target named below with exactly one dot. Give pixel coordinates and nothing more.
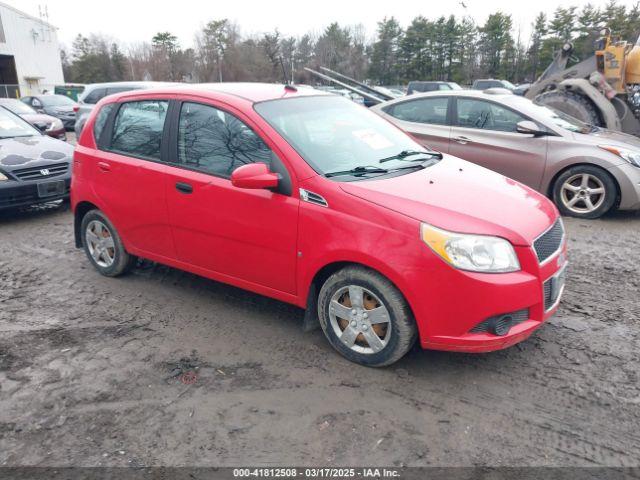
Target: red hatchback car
(311, 199)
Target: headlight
(3, 177)
(630, 156)
(55, 125)
(477, 253)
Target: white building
(29, 54)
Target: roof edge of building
(32, 17)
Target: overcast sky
(138, 20)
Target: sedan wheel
(583, 193)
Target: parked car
(52, 126)
(391, 92)
(586, 170)
(59, 106)
(95, 92)
(311, 199)
(486, 83)
(419, 87)
(34, 168)
(522, 89)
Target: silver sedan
(586, 170)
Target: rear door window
(138, 128)
(423, 110)
(94, 96)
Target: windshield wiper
(357, 171)
(410, 153)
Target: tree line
(446, 48)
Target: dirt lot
(91, 371)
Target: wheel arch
(81, 209)
(322, 273)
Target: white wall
(35, 55)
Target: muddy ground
(92, 371)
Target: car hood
(463, 197)
(38, 118)
(59, 110)
(20, 152)
(602, 136)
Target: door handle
(462, 139)
(104, 166)
(184, 187)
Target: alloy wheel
(360, 320)
(583, 193)
(100, 243)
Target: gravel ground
(92, 371)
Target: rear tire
(365, 317)
(103, 246)
(571, 103)
(584, 191)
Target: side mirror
(254, 175)
(530, 128)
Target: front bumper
(60, 134)
(14, 194)
(628, 178)
(460, 301)
(69, 121)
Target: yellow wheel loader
(603, 90)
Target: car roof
(39, 95)
(93, 86)
(252, 92)
(489, 93)
(428, 81)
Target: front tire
(584, 191)
(103, 246)
(571, 103)
(365, 317)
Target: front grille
(548, 294)
(552, 288)
(46, 171)
(549, 242)
(501, 324)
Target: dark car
(486, 83)
(58, 106)
(419, 87)
(52, 126)
(34, 168)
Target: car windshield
(455, 86)
(13, 126)
(335, 135)
(56, 101)
(508, 84)
(559, 119)
(17, 107)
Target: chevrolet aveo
(311, 199)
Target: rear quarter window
(423, 110)
(101, 121)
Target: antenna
(284, 72)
